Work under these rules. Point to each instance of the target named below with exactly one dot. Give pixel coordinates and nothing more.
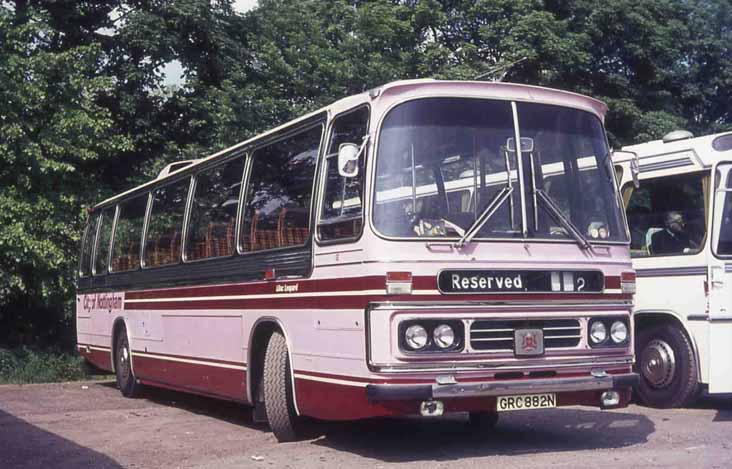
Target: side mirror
(348, 154)
(527, 144)
(634, 165)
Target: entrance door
(719, 282)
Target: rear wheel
(126, 381)
(667, 367)
(278, 393)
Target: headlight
(598, 332)
(618, 332)
(416, 337)
(444, 336)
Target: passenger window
(724, 244)
(277, 210)
(667, 216)
(87, 248)
(128, 234)
(342, 213)
(163, 240)
(213, 211)
(101, 256)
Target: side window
(87, 247)
(341, 216)
(128, 234)
(277, 203)
(165, 228)
(213, 211)
(667, 215)
(101, 254)
(724, 232)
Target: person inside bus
(673, 239)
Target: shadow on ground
(518, 433)
(722, 403)
(24, 445)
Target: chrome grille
(498, 335)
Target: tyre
(482, 420)
(667, 366)
(278, 396)
(126, 381)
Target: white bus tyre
(278, 395)
(126, 381)
(667, 367)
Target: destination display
(507, 281)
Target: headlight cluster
(608, 332)
(432, 335)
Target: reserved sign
(491, 281)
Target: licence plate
(526, 401)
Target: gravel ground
(91, 425)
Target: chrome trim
(507, 366)
(546, 305)
(502, 388)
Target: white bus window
(128, 234)
(87, 248)
(213, 211)
(667, 216)
(724, 245)
(342, 214)
(163, 240)
(101, 255)
(277, 210)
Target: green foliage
(24, 365)
(84, 112)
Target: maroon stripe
(188, 357)
(266, 288)
(355, 302)
(98, 358)
(612, 281)
(207, 379)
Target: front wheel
(667, 366)
(126, 381)
(278, 394)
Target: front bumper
(402, 392)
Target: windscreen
(444, 163)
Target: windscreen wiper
(495, 203)
(568, 225)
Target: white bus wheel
(667, 366)
(278, 393)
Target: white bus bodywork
(687, 292)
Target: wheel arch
(259, 336)
(646, 318)
(119, 323)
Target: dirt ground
(90, 425)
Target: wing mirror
(348, 154)
(527, 144)
(634, 165)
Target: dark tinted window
(343, 197)
(163, 241)
(213, 212)
(101, 256)
(87, 247)
(277, 209)
(128, 234)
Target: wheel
(126, 381)
(278, 395)
(667, 367)
(482, 420)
